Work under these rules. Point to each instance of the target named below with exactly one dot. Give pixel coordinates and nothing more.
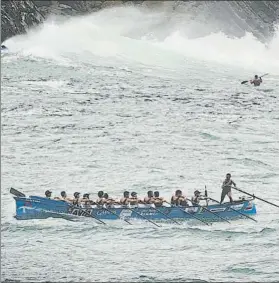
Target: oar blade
(244, 82)
(17, 193)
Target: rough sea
(114, 102)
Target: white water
(138, 35)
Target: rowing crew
(151, 198)
(177, 199)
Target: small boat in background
(4, 49)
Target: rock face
(231, 17)
(17, 16)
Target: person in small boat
(227, 188)
(76, 200)
(158, 201)
(256, 81)
(125, 199)
(178, 199)
(101, 198)
(149, 198)
(196, 198)
(48, 194)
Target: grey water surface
(137, 119)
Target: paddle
(116, 215)
(255, 197)
(224, 219)
(166, 215)
(236, 211)
(17, 193)
(133, 210)
(189, 214)
(244, 82)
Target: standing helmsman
(227, 188)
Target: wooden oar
(104, 207)
(255, 197)
(224, 219)
(244, 82)
(236, 210)
(133, 210)
(190, 214)
(159, 211)
(17, 193)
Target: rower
(64, 197)
(178, 199)
(256, 81)
(63, 194)
(196, 198)
(85, 199)
(108, 200)
(100, 199)
(149, 198)
(125, 199)
(158, 201)
(227, 188)
(76, 200)
(48, 194)
(134, 199)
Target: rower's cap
(156, 193)
(126, 193)
(133, 194)
(86, 195)
(48, 192)
(105, 195)
(197, 192)
(100, 194)
(63, 193)
(150, 193)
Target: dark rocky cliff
(231, 17)
(18, 16)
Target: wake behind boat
(36, 207)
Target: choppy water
(87, 106)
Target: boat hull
(34, 207)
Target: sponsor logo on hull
(125, 213)
(237, 206)
(192, 209)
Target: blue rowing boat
(34, 207)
